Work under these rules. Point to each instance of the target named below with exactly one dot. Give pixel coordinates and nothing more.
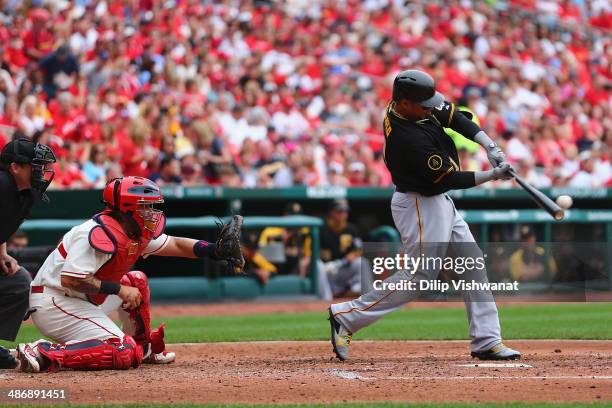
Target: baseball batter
(424, 165)
(88, 276)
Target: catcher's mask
(136, 197)
(38, 156)
(42, 173)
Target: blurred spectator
(212, 154)
(114, 171)
(585, 178)
(533, 174)
(94, 169)
(519, 147)
(32, 117)
(67, 169)
(60, 69)
(169, 172)
(38, 41)
(183, 78)
(268, 164)
(18, 241)
(527, 264)
(288, 120)
(64, 116)
(340, 265)
(133, 159)
(357, 174)
(234, 125)
(191, 172)
(288, 174)
(335, 176)
(88, 126)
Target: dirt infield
(299, 372)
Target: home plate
(496, 365)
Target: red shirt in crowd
(40, 40)
(65, 123)
(132, 159)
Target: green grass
(345, 405)
(536, 321)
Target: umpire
(24, 177)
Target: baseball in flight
(564, 201)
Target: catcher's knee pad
(110, 354)
(140, 316)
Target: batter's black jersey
(420, 154)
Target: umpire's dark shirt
(420, 154)
(14, 205)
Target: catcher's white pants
(422, 219)
(64, 319)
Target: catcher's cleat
(31, 361)
(340, 337)
(499, 352)
(165, 357)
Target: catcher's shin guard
(110, 354)
(140, 316)
(157, 339)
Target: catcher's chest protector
(109, 237)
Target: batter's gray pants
(419, 220)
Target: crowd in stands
(282, 93)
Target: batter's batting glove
(495, 155)
(502, 172)
(228, 244)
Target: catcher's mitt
(228, 244)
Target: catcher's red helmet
(134, 196)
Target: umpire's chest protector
(110, 237)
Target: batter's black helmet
(416, 86)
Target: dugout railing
(180, 280)
(173, 286)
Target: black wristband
(109, 288)
(203, 249)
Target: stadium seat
(284, 285)
(182, 288)
(240, 288)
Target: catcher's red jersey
(110, 237)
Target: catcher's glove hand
(228, 244)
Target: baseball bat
(540, 198)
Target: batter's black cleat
(499, 352)
(340, 337)
(7, 361)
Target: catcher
(88, 276)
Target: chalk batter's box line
(350, 375)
